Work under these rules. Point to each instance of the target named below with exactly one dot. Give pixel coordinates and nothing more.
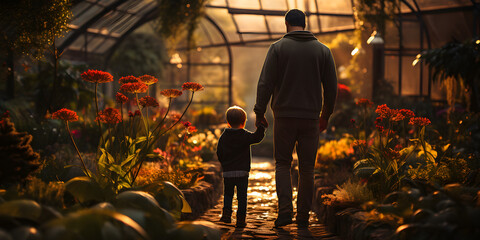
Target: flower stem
(96, 110)
(180, 118)
(164, 117)
(76, 148)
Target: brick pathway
(261, 212)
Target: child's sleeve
(257, 136)
(219, 150)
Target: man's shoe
(241, 224)
(226, 219)
(302, 224)
(280, 222)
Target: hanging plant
(178, 17)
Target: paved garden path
(261, 212)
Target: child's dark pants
(229, 186)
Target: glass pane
(105, 46)
(274, 5)
(87, 15)
(250, 23)
(250, 4)
(217, 2)
(434, 4)
(337, 6)
(276, 24)
(410, 77)
(330, 23)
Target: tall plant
(125, 144)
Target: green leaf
(85, 189)
(27, 209)
(196, 230)
(116, 169)
(94, 224)
(365, 172)
(137, 200)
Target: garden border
(205, 194)
(346, 220)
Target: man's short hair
(236, 116)
(295, 17)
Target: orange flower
(192, 86)
(148, 101)
(65, 114)
(147, 79)
(171, 93)
(109, 115)
(134, 87)
(128, 79)
(419, 121)
(97, 76)
(121, 98)
(364, 102)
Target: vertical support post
(10, 87)
(378, 68)
(400, 54)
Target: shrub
(353, 192)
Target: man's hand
(260, 120)
(323, 122)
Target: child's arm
(258, 135)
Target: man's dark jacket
(233, 149)
(297, 69)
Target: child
(233, 151)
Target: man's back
(295, 69)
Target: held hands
(260, 120)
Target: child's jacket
(233, 149)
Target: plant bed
(204, 195)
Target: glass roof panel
(276, 24)
(247, 4)
(337, 6)
(330, 23)
(434, 4)
(250, 23)
(83, 16)
(274, 5)
(217, 2)
(105, 46)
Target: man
(299, 75)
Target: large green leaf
(85, 189)
(196, 230)
(169, 197)
(137, 200)
(365, 172)
(27, 209)
(155, 224)
(93, 224)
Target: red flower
(419, 121)
(344, 92)
(96, 76)
(191, 129)
(134, 87)
(130, 114)
(407, 113)
(378, 120)
(397, 116)
(65, 114)
(171, 93)
(192, 86)
(137, 113)
(121, 98)
(379, 128)
(364, 102)
(174, 116)
(384, 111)
(128, 79)
(148, 101)
(352, 121)
(187, 124)
(109, 115)
(147, 79)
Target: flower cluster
(134, 87)
(148, 101)
(364, 102)
(133, 114)
(109, 116)
(97, 76)
(121, 98)
(191, 86)
(171, 93)
(385, 112)
(147, 79)
(65, 114)
(128, 79)
(419, 121)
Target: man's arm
(329, 82)
(266, 82)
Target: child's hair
(236, 116)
